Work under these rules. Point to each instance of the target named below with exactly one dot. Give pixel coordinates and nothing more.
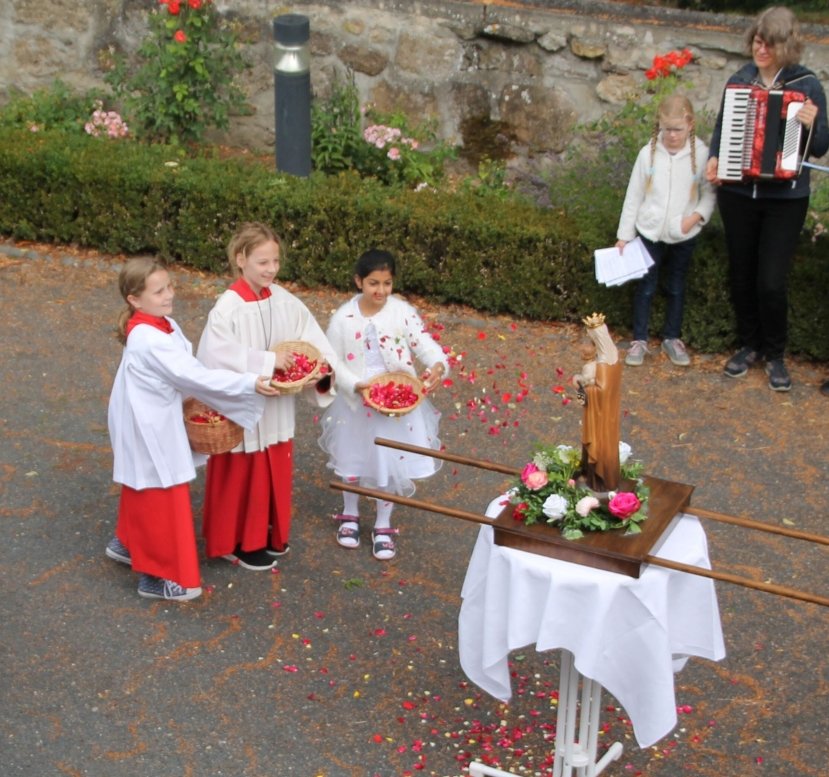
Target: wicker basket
(394, 377)
(219, 436)
(298, 346)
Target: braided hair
(672, 107)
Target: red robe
(156, 524)
(247, 500)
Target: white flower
(554, 507)
(585, 505)
(566, 454)
(624, 452)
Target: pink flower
(585, 505)
(533, 477)
(623, 505)
(394, 154)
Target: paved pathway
(338, 666)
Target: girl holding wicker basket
(378, 336)
(153, 460)
(248, 499)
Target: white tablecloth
(628, 634)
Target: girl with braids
(667, 202)
(152, 457)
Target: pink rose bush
(108, 123)
(549, 490)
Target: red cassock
(156, 524)
(246, 495)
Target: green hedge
(495, 254)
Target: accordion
(760, 135)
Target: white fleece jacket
(657, 213)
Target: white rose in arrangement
(554, 507)
(624, 452)
(585, 505)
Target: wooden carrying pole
(785, 591)
(420, 504)
(699, 512)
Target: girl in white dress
(373, 333)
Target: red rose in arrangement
(301, 367)
(207, 417)
(392, 396)
(623, 505)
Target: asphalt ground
(340, 666)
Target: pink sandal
(348, 536)
(383, 546)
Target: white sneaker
(675, 350)
(636, 353)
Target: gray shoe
(739, 363)
(636, 353)
(157, 588)
(675, 350)
(117, 551)
(779, 378)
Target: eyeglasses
(759, 43)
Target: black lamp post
(292, 93)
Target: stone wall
(526, 71)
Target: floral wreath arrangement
(549, 491)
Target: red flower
(301, 366)
(666, 64)
(180, 37)
(174, 6)
(194, 4)
(207, 417)
(392, 396)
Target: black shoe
(738, 364)
(779, 379)
(824, 389)
(257, 560)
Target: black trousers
(761, 236)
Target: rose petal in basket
(393, 393)
(208, 431)
(307, 365)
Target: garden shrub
(183, 77)
(471, 246)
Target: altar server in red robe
(153, 461)
(247, 502)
